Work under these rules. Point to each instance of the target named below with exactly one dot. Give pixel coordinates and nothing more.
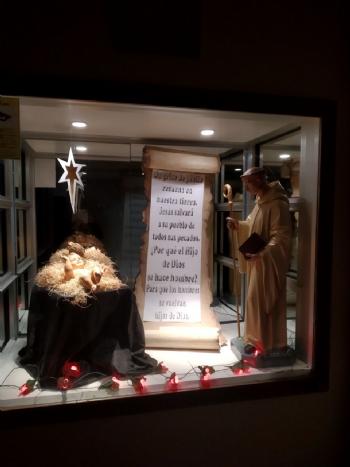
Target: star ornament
(71, 175)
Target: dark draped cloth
(105, 337)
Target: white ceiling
(121, 130)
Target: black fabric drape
(105, 336)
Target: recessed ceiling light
(79, 124)
(284, 156)
(207, 132)
(81, 148)
(238, 170)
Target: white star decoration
(71, 175)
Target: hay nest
(53, 277)
(85, 241)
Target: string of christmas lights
(72, 376)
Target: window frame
(15, 267)
(317, 378)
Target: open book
(252, 245)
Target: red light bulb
(173, 381)
(64, 383)
(140, 385)
(205, 378)
(71, 370)
(24, 390)
(115, 384)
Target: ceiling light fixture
(284, 156)
(81, 148)
(79, 124)
(207, 132)
(238, 170)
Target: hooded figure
(265, 322)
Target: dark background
(296, 49)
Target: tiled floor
(184, 363)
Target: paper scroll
(172, 290)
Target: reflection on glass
(288, 175)
(225, 237)
(229, 288)
(2, 178)
(3, 249)
(22, 302)
(18, 179)
(230, 291)
(110, 208)
(232, 173)
(281, 160)
(294, 215)
(21, 234)
(4, 318)
(292, 276)
(20, 293)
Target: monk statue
(265, 317)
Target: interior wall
(288, 49)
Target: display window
(157, 250)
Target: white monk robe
(265, 318)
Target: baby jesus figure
(75, 267)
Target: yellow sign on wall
(10, 140)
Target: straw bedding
(91, 256)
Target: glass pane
(294, 216)
(2, 321)
(3, 245)
(225, 236)
(22, 302)
(292, 277)
(231, 286)
(229, 293)
(233, 169)
(2, 178)
(17, 171)
(21, 234)
(281, 159)
(110, 208)
(21, 293)
(4, 318)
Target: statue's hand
(232, 223)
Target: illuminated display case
(57, 350)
